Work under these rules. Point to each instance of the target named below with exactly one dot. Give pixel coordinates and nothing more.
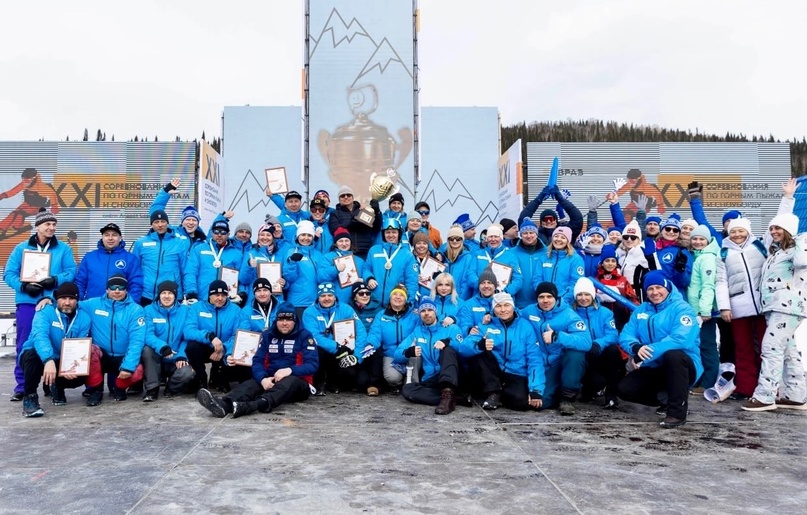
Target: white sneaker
(724, 385)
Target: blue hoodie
(62, 267)
(161, 259)
(563, 270)
(166, 326)
(117, 327)
(99, 265)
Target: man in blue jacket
(291, 212)
(388, 329)
(163, 256)
(118, 328)
(281, 370)
(41, 353)
(206, 261)
(436, 345)
(566, 341)
(663, 339)
(164, 351)
(210, 333)
(110, 258)
(28, 294)
(496, 252)
(188, 230)
(389, 264)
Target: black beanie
(547, 287)
(168, 286)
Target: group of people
(530, 316)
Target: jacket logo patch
(547, 265)
(493, 331)
(612, 324)
(120, 264)
(580, 270)
(667, 258)
(642, 316)
(708, 272)
(101, 312)
(477, 309)
(686, 321)
(141, 321)
(56, 324)
(149, 243)
(580, 325)
(205, 315)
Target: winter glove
(641, 202)
(695, 190)
(48, 284)
(481, 344)
(446, 341)
(594, 351)
(168, 188)
(544, 194)
(342, 351)
(296, 257)
(348, 361)
(535, 395)
(555, 192)
(635, 350)
(410, 352)
(680, 263)
(593, 202)
(166, 351)
(192, 296)
(32, 289)
(242, 296)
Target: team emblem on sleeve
(686, 321)
(141, 321)
(580, 270)
(580, 325)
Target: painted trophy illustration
(361, 154)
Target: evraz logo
(667, 258)
(120, 264)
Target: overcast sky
(168, 68)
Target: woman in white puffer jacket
(739, 272)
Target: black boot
(244, 408)
(447, 404)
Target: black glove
(181, 360)
(211, 336)
(192, 296)
(635, 350)
(168, 188)
(446, 341)
(555, 192)
(296, 257)
(374, 205)
(342, 351)
(680, 262)
(544, 193)
(481, 344)
(166, 351)
(49, 283)
(694, 189)
(410, 352)
(594, 351)
(243, 296)
(348, 361)
(32, 289)
(535, 395)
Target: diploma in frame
(344, 333)
(230, 278)
(245, 347)
(428, 270)
(35, 266)
(366, 216)
(276, 180)
(503, 274)
(75, 357)
(270, 271)
(350, 274)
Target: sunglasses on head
(630, 237)
(455, 238)
(219, 231)
(116, 287)
(671, 229)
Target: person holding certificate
(259, 314)
(41, 352)
(340, 266)
(496, 252)
(426, 262)
(561, 265)
(345, 361)
(388, 329)
(268, 249)
(566, 340)
(281, 370)
(164, 352)
(389, 264)
(118, 328)
(163, 255)
(206, 262)
(436, 345)
(291, 212)
(34, 269)
(210, 333)
(506, 363)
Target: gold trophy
(382, 185)
(360, 152)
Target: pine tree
(86, 136)
(98, 135)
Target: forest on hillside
(599, 131)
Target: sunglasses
(345, 195)
(424, 212)
(318, 210)
(630, 238)
(220, 231)
(671, 229)
(548, 219)
(455, 238)
(116, 287)
(363, 293)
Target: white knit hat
(584, 285)
(787, 221)
(495, 230)
(742, 222)
(502, 298)
(632, 229)
(305, 227)
(690, 222)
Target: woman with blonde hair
(445, 296)
(560, 265)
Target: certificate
(366, 215)
(245, 347)
(344, 333)
(350, 274)
(230, 278)
(276, 180)
(428, 271)
(35, 266)
(75, 357)
(503, 274)
(270, 271)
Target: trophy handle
(323, 141)
(405, 146)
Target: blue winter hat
(427, 303)
(286, 311)
(653, 219)
(608, 251)
(598, 230)
(731, 215)
(191, 212)
(671, 222)
(325, 289)
(657, 278)
(464, 220)
(527, 225)
(614, 229)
